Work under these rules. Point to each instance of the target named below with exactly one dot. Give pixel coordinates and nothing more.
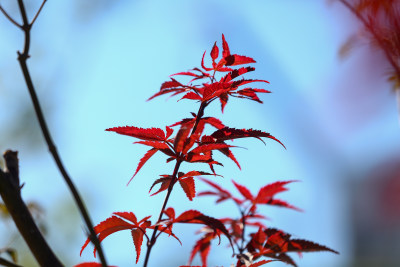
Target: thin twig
(38, 12)
(10, 18)
(4, 262)
(22, 58)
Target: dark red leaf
(143, 160)
(260, 263)
(129, 216)
(243, 190)
(195, 173)
(214, 52)
(181, 137)
(202, 63)
(232, 133)
(137, 236)
(267, 192)
(170, 84)
(236, 73)
(221, 193)
(281, 203)
(175, 91)
(165, 182)
(192, 96)
(202, 246)
(90, 264)
(155, 144)
(227, 152)
(233, 60)
(188, 187)
(209, 147)
(169, 132)
(225, 47)
(300, 245)
(149, 134)
(186, 73)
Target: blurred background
(94, 64)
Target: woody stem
(153, 238)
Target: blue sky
(96, 67)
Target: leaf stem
(22, 58)
(154, 236)
(151, 243)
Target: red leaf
(107, 227)
(222, 193)
(300, 245)
(232, 133)
(165, 182)
(166, 91)
(267, 192)
(225, 47)
(235, 73)
(260, 263)
(129, 216)
(137, 236)
(90, 264)
(194, 216)
(202, 63)
(181, 136)
(143, 160)
(243, 190)
(227, 152)
(214, 52)
(155, 144)
(281, 203)
(196, 173)
(213, 122)
(233, 60)
(186, 73)
(203, 247)
(149, 134)
(192, 96)
(188, 187)
(223, 98)
(170, 84)
(209, 147)
(169, 131)
(170, 212)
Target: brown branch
(10, 191)
(9, 17)
(22, 58)
(38, 12)
(4, 262)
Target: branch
(10, 191)
(38, 12)
(22, 58)
(10, 18)
(4, 262)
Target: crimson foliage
(186, 142)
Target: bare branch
(10, 18)
(4, 262)
(10, 191)
(37, 14)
